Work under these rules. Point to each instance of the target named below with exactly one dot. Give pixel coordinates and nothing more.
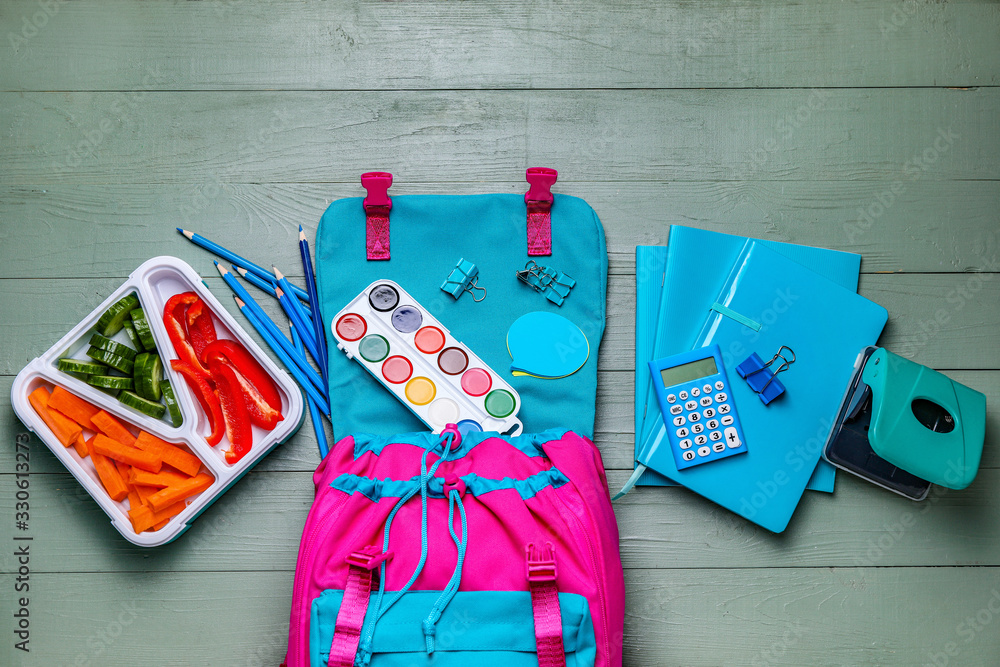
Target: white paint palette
(416, 358)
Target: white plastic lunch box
(155, 282)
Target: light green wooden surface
(244, 119)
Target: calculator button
(697, 428)
(709, 413)
(683, 395)
(691, 405)
(685, 443)
(704, 451)
(700, 440)
(724, 409)
(718, 447)
(707, 389)
(715, 435)
(719, 385)
(727, 420)
(712, 423)
(694, 416)
(671, 398)
(682, 433)
(732, 438)
(705, 401)
(688, 455)
(695, 392)
(676, 409)
(679, 420)
(721, 397)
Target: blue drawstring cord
(430, 623)
(364, 653)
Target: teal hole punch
(904, 426)
(462, 279)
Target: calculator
(698, 408)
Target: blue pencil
(296, 313)
(264, 286)
(319, 327)
(231, 256)
(317, 420)
(292, 367)
(272, 329)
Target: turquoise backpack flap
(429, 234)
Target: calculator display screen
(687, 372)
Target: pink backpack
(424, 549)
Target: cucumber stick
(155, 410)
(133, 337)
(68, 365)
(117, 362)
(148, 372)
(113, 319)
(172, 407)
(114, 347)
(110, 382)
(142, 330)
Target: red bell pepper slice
(173, 320)
(263, 399)
(198, 382)
(234, 408)
(200, 329)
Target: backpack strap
(377, 206)
(540, 570)
(539, 200)
(354, 605)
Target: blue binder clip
(761, 379)
(555, 285)
(463, 279)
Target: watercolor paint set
(59, 372)
(415, 357)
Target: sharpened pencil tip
(277, 274)
(302, 234)
(278, 292)
(239, 301)
(189, 235)
(240, 270)
(222, 269)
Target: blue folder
(677, 307)
(827, 326)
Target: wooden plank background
(865, 126)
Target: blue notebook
(827, 326)
(682, 304)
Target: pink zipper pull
(539, 200)
(377, 206)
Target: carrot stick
(171, 494)
(81, 446)
(110, 477)
(65, 429)
(144, 518)
(124, 453)
(160, 479)
(144, 493)
(73, 407)
(113, 428)
(171, 454)
(160, 525)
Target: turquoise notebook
(827, 325)
(681, 305)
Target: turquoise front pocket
(493, 628)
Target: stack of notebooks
(815, 311)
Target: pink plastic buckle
(540, 181)
(540, 565)
(453, 482)
(368, 558)
(452, 429)
(377, 183)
